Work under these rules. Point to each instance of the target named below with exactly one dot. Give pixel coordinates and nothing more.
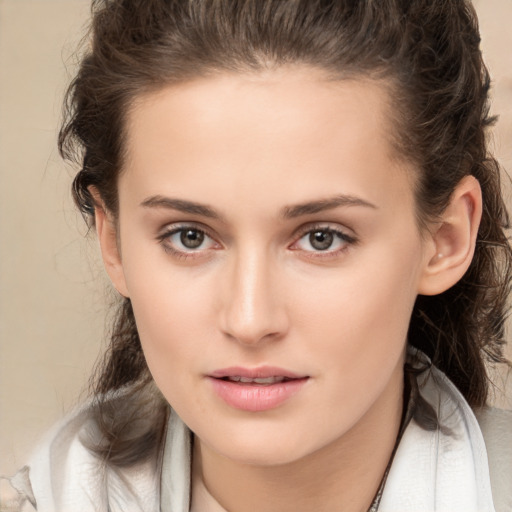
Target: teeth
(257, 380)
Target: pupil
(191, 238)
(321, 240)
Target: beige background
(52, 287)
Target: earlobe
(453, 239)
(107, 237)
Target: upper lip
(261, 372)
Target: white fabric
(496, 426)
(63, 476)
(437, 471)
(445, 470)
(176, 467)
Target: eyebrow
(181, 205)
(287, 212)
(290, 212)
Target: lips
(262, 372)
(256, 389)
(265, 381)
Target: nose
(253, 308)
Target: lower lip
(256, 397)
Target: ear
(452, 239)
(107, 237)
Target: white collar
(444, 470)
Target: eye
(184, 241)
(324, 240)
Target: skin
(257, 292)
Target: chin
(257, 449)
(269, 456)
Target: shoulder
(440, 464)
(495, 429)
(64, 474)
(496, 426)
(59, 466)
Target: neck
(343, 475)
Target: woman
(297, 205)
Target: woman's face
(267, 230)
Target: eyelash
(348, 240)
(182, 255)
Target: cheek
(170, 332)
(356, 320)
(171, 315)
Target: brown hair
(429, 54)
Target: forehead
(290, 129)
(292, 97)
